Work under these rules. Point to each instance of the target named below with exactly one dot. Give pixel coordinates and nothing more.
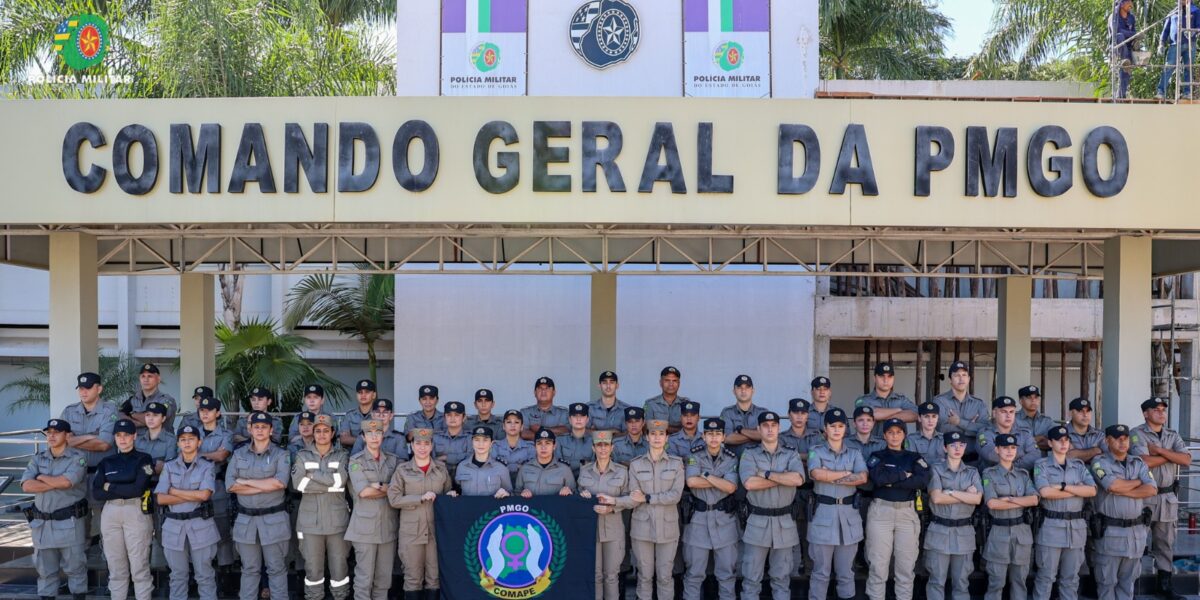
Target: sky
(970, 20)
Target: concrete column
(604, 324)
(1125, 381)
(820, 356)
(74, 342)
(128, 333)
(197, 342)
(1013, 361)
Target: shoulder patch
(148, 469)
(921, 461)
(811, 454)
(1133, 439)
(83, 461)
(1037, 471)
(982, 439)
(986, 482)
(858, 402)
(355, 467)
(874, 460)
(691, 460)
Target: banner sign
(541, 547)
(484, 47)
(727, 48)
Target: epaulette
(792, 448)
(500, 460)
(728, 452)
(564, 461)
(698, 446)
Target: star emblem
(613, 32)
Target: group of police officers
(736, 493)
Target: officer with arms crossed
(1065, 484)
(1087, 442)
(608, 483)
(1004, 416)
(927, 441)
(190, 536)
(656, 484)
(134, 408)
(320, 473)
(258, 475)
(428, 417)
(483, 474)
(1007, 493)
(55, 477)
(1164, 452)
(161, 445)
(1125, 483)
(365, 393)
(607, 413)
(712, 476)
(543, 413)
(1030, 417)
(954, 491)
(770, 472)
(91, 422)
(121, 481)
(372, 528)
(511, 449)
(893, 527)
(665, 406)
(741, 417)
(959, 410)
(888, 403)
(545, 475)
(836, 527)
(415, 486)
(216, 445)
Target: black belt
(1170, 489)
(944, 522)
(1063, 516)
(204, 512)
(1112, 522)
(843, 501)
(93, 469)
(74, 511)
(770, 512)
(1008, 522)
(258, 512)
(726, 504)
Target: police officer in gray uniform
(394, 442)
(607, 413)
(959, 410)
(1007, 493)
(483, 474)
(216, 445)
(822, 393)
(544, 413)
(770, 472)
(1087, 442)
(258, 475)
(835, 527)
(954, 491)
(320, 473)
(575, 448)
(261, 400)
(134, 408)
(633, 444)
(803, 435)
(666, 406)
(1004, 416)
(314, 402)
(511, 449)
(741, 417)
(1164, 452)
(927, 441)
(351, 427)
(91, 422)
(688, 439)
(1125, 483)
(484, 402)
(1064, 484)
(864, 438)
(428, 417)
(190, 537)
(887, 402)
(712, 477)
(1030, 417)
(55, 476)
(545, 475)
(453, 444)
(161, 445)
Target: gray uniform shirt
(243, 428)
(555, 416)
(294, 428)
(162, 448)
(999, 482)
(72, 465)
(893, 400)
(625, 450)
(495, 423)
(835, 524)
(418, 420)
(1165, 506)
(274, 463)
(476, 480)
(373, 520)
(1125, 542)
(352, 421)
(99, 423)
(394, 443)
(1027, 450)
(321, 481)
(972, 413)
(607, 419)
(804, 442)
(762, 530)
(735, 417)
(198, 533)
(544, 480)
(681, 445)
(138, 404)
(217, 439)
(712, 529)
(1038, 424)
(1092, 438)
(575, 451)
(952, 540)
(657, 409)
(456, 448)
(1062, 533)
(867, 448)
(932, 449)
(513, 456)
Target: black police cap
(767, 417)
(1153, 403)
(634, 413)
(124, 426)
(546, 381)
(454, 407)
(1057, 433)
(890, 423)
(958, 365)
(928, 408)
(1029, 390)
(261, 392)
(669, 371)
(689, 408)
(257, 417)
(864, 410)
(798, 405)
(544, 434)
(157, 408)
(208, 403)
(314, 388)
(1004, 402)
(306, 415)
(514, 413)
(484, 394)
(1116, 431)
(835, 415)
(483, 431)
(1005, 439)
(577, 409)
(427, 390)
(58, 425)
(1080, 404)
(714, 424)
(953, 437)
(87, 380)
(383, 404)
(365, 385)
(820, 382)
(884, 368)
(204, 391)
(150, 368)
(188, 430)
(743, 380)
(608, 375)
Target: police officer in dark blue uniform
(123, 481)
(893, 527)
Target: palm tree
(119, 374)
(257, 355)
(362, 307)
(880, 39)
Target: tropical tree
(880, 39)
(118, 373)
(362, 307)
(258, 355)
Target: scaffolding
(1140, 58)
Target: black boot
(1165, 589)
(434, 594)
(78, 596)
(412, 595)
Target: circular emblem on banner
(515, 554)
(729, 56)
(485, 57)
(81, 41)
(605, 32)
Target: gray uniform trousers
(1115, 576)
(71, 560)
(754, 559)
(724, 560)
(829, 559)
(127, 535)
(253, 558)
(1162, 544)
(373, 570)
(940, 565)
(315, 549)
(200, 561)
(1015, 572)
(1063, 563)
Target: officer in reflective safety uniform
(1164, 452)
(770, 472)
(190, 537)
(122, 482)
(954, 492)
(893, 527)
(258, 475)
(320, 473)
(712, 477)
(1064, 484)
(545, 475)
(512, 449)
(483, 474)
(656, 484)
(836, 527)
(1122, 514)
(55, 477)
(372, 528)
(415, 486)
(1008, 493)
(608, 483)
(575, 448)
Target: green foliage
(880, 39)
(118, 374)
(362, 307)
(257, 355)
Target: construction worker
(633, 444)
(485, 401)
(216, 446)
(688, 439)
(543, 413)
(927, 441)
(319, 474)
(366, 394)
(261, 400)
(428, 417)
(123, 482)
(150, 390)
(893, 529)
(608, 483)
(1007, 493)
(55, 477)
(258, 475)
(161, 445)
(607, 413)
(575, 448)
(512, 449)
(959, 410)
(1064, 484)
(190, 537)
(1164, 452)
(1124, 484)
(666, 406)
(484, 474)
(741, 417)
(415, 486)
(712, 477)
(954, 492)
(835, 528)
(91, 422)
(545, 475)
(770, 472)
(1004, 419)
(656, 484)
(373, 524)
(887, 402)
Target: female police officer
(127, 530)
(373, 523)
(415, 486)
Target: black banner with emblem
(541, 547)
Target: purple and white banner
(727, 48)
(484, 47)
